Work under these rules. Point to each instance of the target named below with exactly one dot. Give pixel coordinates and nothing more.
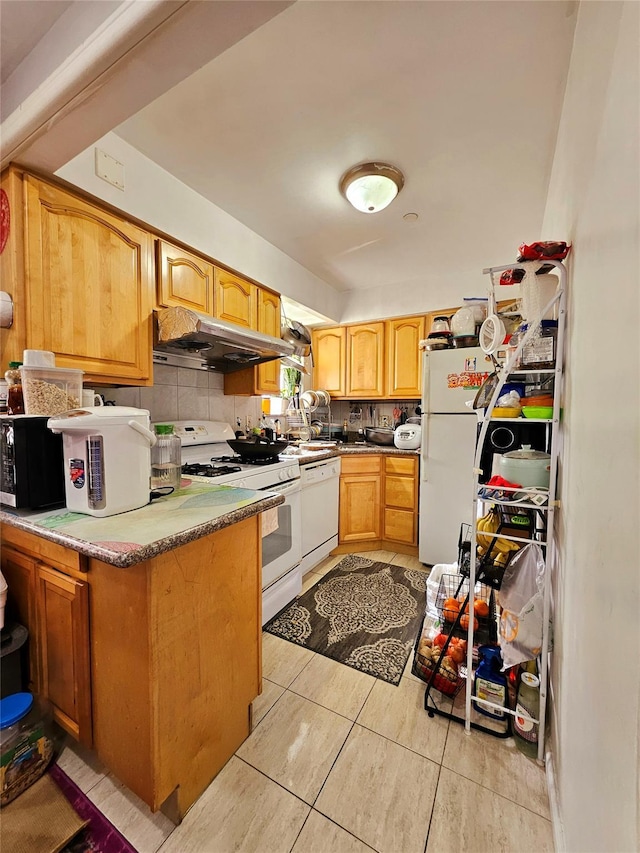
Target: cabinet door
(359, 508)
(400, 513)
(63, 609)
(20, 574)
(89, 279)
(264, 378)
(404, 359)
(235, 299)
(184, 279)
(330, 357)
(268, 374)
(365, 360)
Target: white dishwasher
(319, 498)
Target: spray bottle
(490, 683)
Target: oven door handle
(287, 488)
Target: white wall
(156, 197)
(594, 200)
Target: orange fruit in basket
(464, 623)
(480, 608)
(451, 608)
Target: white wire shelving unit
(544, 532)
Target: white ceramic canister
(526, 467)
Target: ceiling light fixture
(370, 187)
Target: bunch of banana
(486, 533)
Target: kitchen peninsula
(145, 631)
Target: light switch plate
(109, 169)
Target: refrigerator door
(451, 377)
(446, 484)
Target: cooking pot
(407, 436)
(379, 435)
(256, 447)
(295, 333)
(525, 466)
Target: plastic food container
(506, 412)
(51, 390)
(26, 744)
(538, 412)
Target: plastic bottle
(345, 430)
(490, 683)
(15, 400)
(166, 462)
(525, 732)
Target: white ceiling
(22, 26)
(464, 97)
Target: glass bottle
(166, 462)
(524, 731)
(15, 400)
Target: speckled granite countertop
(350, 450)
(123, 540)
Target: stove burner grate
(248, 460)
(198, 470)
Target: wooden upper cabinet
(404, 359)
(236, 300)
(365, 360)
(269, 323)
(184, 279)
(330, 360)
(89, 286)
(263, 378)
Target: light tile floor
(340, 762)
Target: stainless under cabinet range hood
(188, 339)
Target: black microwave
(31, 463)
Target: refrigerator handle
(424, 451)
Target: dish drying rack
(302, 423)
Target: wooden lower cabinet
(54, 608)
(379, 502)
(400, 516)
(155, 665)
(65, 679)
(359, 499)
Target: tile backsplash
(182, 394)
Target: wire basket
(455, 620)
(441, 679)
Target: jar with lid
(15, 400)
(27, 743)
(440, 325)
(166, 461)
(525, 731)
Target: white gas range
(206, 456)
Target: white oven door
(282, 549)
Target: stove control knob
(284, 475)
(239, 484)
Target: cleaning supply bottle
(525, 732)
(490, 683)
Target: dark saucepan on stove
(257, 447)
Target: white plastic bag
(522, 603)
(433, 584)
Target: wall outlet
(384, 421)
(109, 169)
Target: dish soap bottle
(490, 683)
(525, 732)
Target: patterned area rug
(362, 613)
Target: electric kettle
(107, 458)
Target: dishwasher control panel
(315, 472)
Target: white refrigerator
(449, 428)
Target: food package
(522, 603)
(546, 249)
